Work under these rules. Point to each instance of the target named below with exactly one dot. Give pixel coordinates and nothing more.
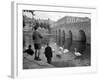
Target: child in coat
(48, 53)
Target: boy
(48, 53)
(29, 51)
(37, 43)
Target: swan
(61, 48)
(42, 47)
(77, 53)
(55, 44)
(65, 51)
(53, 50)
(59, 52)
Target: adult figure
(37, 42)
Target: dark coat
(37, 37)
(29, 51)
(48, 52)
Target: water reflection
(68, 43)
(79, 45)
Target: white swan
(53, 50)
(77, 53)
(55, 44)
(59, 52)
(65, 51)
(61, 48)
(42, 47)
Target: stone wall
(75, 27)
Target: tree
(23, 21)
(48, 27)
(28, 11)
(31, 11)
(41, 25)
(37, 24)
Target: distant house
(75, 24)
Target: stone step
(32, 64)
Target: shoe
(35, 58)
(38, 59)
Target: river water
(82, 47)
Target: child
(37, 37)
(29, 50)
(48, 53)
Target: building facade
(75, 25)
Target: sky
(54, 16)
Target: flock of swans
(61, 50)
(65, 51)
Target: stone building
(75, 24)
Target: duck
(77, 53)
